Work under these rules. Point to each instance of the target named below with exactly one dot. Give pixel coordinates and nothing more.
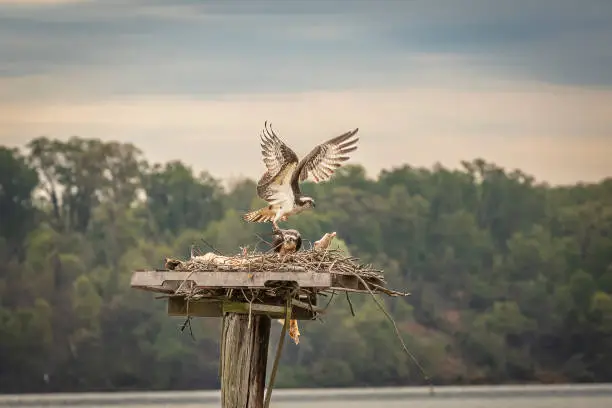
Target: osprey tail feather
(265, 214)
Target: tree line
(510, 278)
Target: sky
(523, 84)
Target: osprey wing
(324, 159)
(281, 161)
(276, 154)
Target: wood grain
(243, 361)
(168, 281)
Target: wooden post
(244, 355)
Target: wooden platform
(166, 281)
(304, 307)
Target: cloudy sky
(525, 84)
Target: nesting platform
(258, 283)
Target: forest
(510, 278)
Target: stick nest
(317, 260)
(332, 261)
(323, 261)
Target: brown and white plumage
(286, 241)
(324, 159)
(279, 185)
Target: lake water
(532, 396)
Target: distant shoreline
(310, 395)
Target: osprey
(279, 185)
(286, 241)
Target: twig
(388, 291)
(187, 323)
(183, 282)
(250, 306)
(330, 299)
(312, 312)
(261, 239)
(279, 351)
(348, 299)
(397, 332)
(323, 257)
(211, 247)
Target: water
(532, 396)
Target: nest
(327, 261)
(347, 274)
(332, 261)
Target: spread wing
(276, 154)
(280, 161)
(324, 159)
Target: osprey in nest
(279, 185)
(286, 241)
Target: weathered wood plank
(243, 361)
(177, 306)
(347, 281)
(166, 281)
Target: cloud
(525, 83)
(552, 41)
(558, 133)
(39, 2)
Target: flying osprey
(279, 185)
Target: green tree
(17, 212)
(510, 279)
(177, 199)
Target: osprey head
(292, 239)
(307, 202)
(286, 241)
